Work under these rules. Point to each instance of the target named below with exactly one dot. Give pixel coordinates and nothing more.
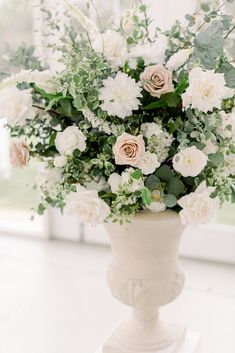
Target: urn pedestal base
(191, 343)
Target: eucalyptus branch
(229, 32)
(204, 22)
(146, 23)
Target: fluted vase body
(145, 274)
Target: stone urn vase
(145, 274)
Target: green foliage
(165, 173)
(209, 44)
(146, 196)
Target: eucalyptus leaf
(170, 200)
(164, 172)
(175, 186)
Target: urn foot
(134, 336)
(189, 343)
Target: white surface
(54, 299)
(192, 344)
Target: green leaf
(170, 200)
(183, 84)
(152, 182)
(52, 139)
(205, 7)
(137, 174)
(67, 108)
(146, 196)
(229, 74)
(190, 18)
(143, 8)
(216, 159)
(171, 99)
(175, 186)
(164, 172)
(41, 209)
(154, 105)
(209, 44)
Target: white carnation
(113, 46)
(60, 161)
(87, 205)
(69, 140)
(206, 90)
(150, 53)
(178, 59)
(16, 105)
(199, 207)
(120, 95)
(190, 161)
(149, 163)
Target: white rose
(60, 161)
(190, 161)
(69, 140)
(16, 105)
(206, 90)
(87, 205)
(148, 163)
(178, 59)
(199, 207)
(113, 46)
(115, 181)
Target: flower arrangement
(138, 119)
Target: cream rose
(87, 205)
(190, 161)
(157, 80)
(19, 154)
(129, 149)
(199, 207)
